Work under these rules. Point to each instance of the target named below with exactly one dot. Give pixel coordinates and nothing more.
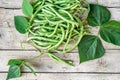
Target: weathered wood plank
(18, 3)
(10, 38)
(109, 63)
(66, 76)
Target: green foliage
(98, 15)
(110, 32)
(27, 8)
(30, 68)
(90, 48)
(15, 68)
(53, 24)
(15, 62)
(21, 24)
(14, 72)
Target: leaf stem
(33, 58)
(98, 31)
(57, 59)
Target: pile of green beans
(57, 25)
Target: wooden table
(105, 68)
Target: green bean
(41, 47)
(37, 4)
(36, 12)
(42, 38)
(47, 35)
(30, 31)
(55, 30)
(47, 11)
(57, 23)
(43, 43)
(67, 14)
(70, 21)
(68, 40)
(39, 21)
(62, 38)
(54, 57)
(67, 31)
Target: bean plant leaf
(15, 62)
(27, 9)
(90, 48)
(110, 32)
(98, 15)
(14, 72)
(21, 24)
(30, 68)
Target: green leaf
(15, 62)
(98, 15)
(29, 67)
(110, 32)
(14, 72)
(27, 8)
(90, 48)
(21, 24)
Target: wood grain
(105, 68)
(10, 38)
(109, 63)
(18, 3)
(66, 76)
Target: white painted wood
(66, 76)
(109, 63)
(10, 38)
(18, 3)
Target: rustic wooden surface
(105, 68)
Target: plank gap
(72, 72)
(10, 8)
